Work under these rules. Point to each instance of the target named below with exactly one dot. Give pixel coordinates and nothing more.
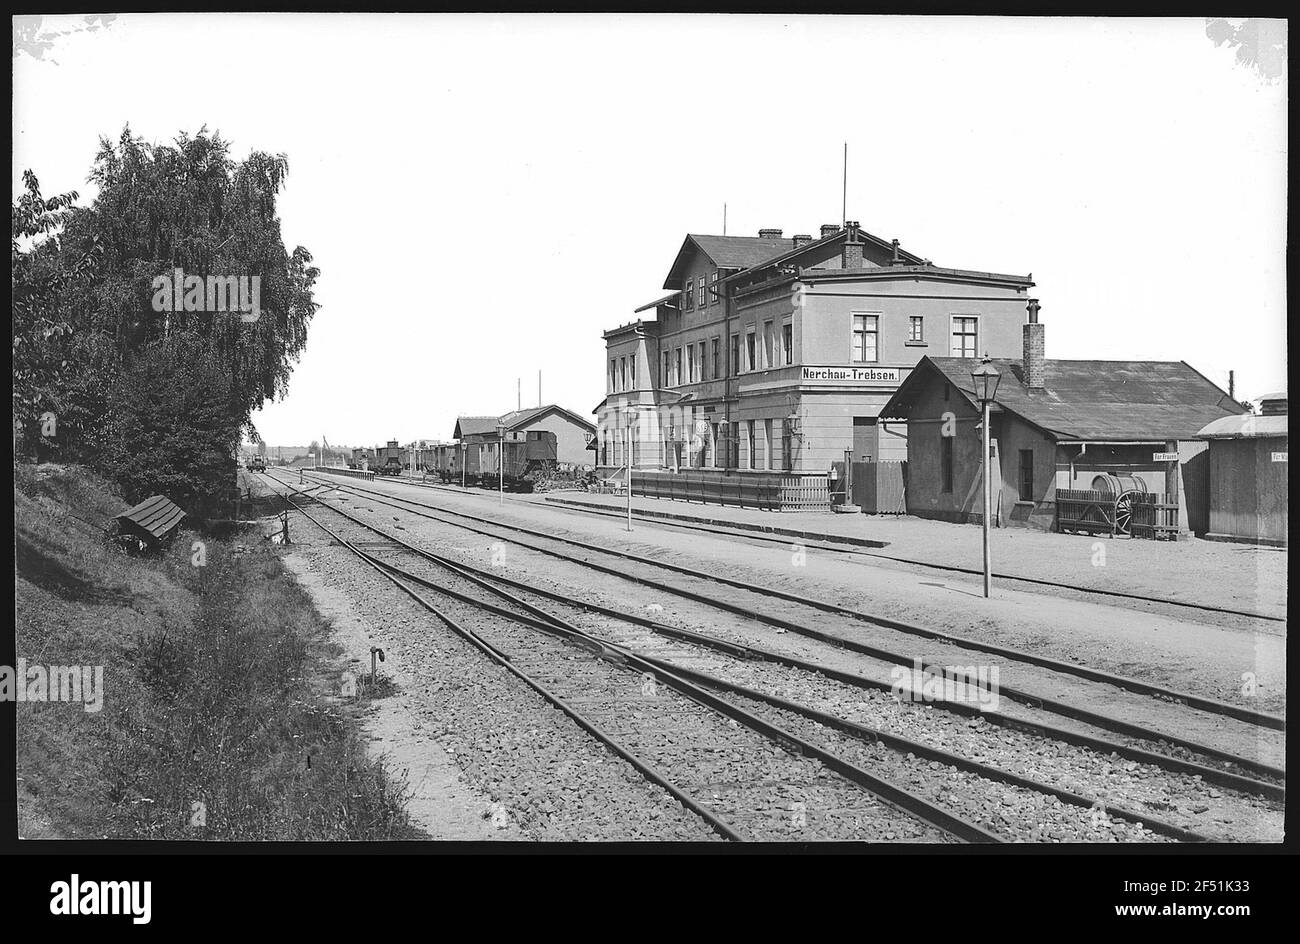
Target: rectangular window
(750, 351)
(753, 444)
(733, 447)
(864, 338)
(690, 362)
(703, 299)
(622, 372)
(713, 293)
(767, 442)
(1026, 475)
(688, 294)
(665, 381)
(613, 374)
(916, 328)
(631, 369)
(787, 342)
(703, 366)
(716, 353)
(965, 336)
(767, 345)
(945, 461)
(677, 374)
(735, 354)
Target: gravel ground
(541, 771)
(1222, 814)
(1182, 800)
(1223, 733)
(1178, 648)
(760, 788)
(523, 755)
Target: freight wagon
(390, 460)
(477, 462)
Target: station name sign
(864, 376)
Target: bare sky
(484, 195)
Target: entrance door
(866, 440)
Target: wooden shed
(1248, 475)
(152, 522)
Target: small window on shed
(1026, 475)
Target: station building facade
(776, 355)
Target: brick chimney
(802, 239)
(769, 234)
(1034, 352)
(829, 229)
(852, 247)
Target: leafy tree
(88, 342)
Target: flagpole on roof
(844, 196)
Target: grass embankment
(220, 687)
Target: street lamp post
(985, 379)
(501, 464)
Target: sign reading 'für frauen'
(883, 376)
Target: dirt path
(441, 802)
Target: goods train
(476, 463)
(385, 460)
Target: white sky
(484, 195)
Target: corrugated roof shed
(1094, 401)
(1246, 427)
(153, 519)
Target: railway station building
(1066, 428)
(775, 356)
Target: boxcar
(478, 463)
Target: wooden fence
(775, 492)
(1153, 518)
(879, 487)
(338, 470)
(1138, 514)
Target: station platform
(1199, 572)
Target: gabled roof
(726, 252)
(1086, 401)
(523, 417)
(474, 426)
(818, 245)
(514, 420)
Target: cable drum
(1124, 487)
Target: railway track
(746, 776)
(1240, 773)
(1019, 814)
(849, 550)
(1213, 706)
